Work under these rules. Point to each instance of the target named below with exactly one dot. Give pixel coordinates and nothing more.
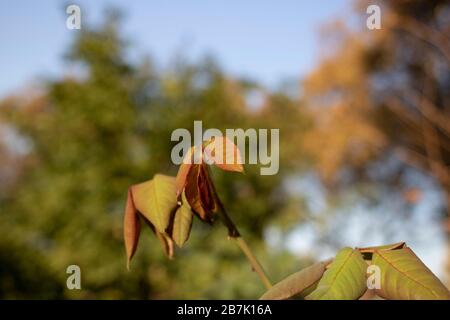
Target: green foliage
(93, 136)
(401, 273)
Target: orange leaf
(181, 179)
(225, 154)
(183, 171)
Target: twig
(234, 234)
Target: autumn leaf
(224, 154)
(183, 171)
(132, 228)
(198, 193)
(204, 182)
(194, 178)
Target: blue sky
(269, 41)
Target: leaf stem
(234, 234)
(253, 261)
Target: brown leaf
(193, 195)
(296, 283)
(131, 229)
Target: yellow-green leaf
(156, 200)
(345, 279)
(167, 243)
(296, 283)
(405, 277)
(182, 223)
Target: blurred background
(364, 119)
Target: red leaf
(194, 194)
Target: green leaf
(405, 276)
(296, 283)
(344, 280)
(182, 223)
(156, 200)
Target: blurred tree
(380, 100)
(93, 135)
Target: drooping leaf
(181, 178)
(206, 193)
(296, 283)
(131, 228)
(156, 200)
(405, 276)
(345, 279)
(194, 187)
(183, 171)
(224, 154)
(182, 223)
(191, 191)
(166, 242)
